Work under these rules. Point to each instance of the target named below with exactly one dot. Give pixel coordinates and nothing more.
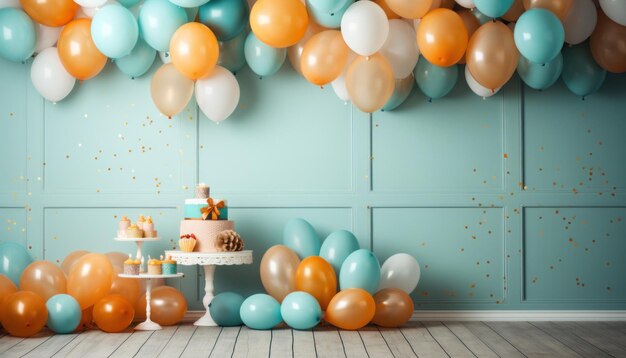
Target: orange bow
(212, 209)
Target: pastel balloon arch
(364, 49)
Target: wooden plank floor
(416, 339)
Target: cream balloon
(468, 4)
(10, 3)
(401, 271)
(364, 27)
(476, 87)
(295, 52)
(615, 10)
(370, 82)
(170, 90)
(580, 21)
(49, 77)
(90, 11)
(217, 94)
(165, 57)
(339, 84)
(90, 3)
(401, 49)
(46, 36)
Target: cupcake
(122, 226)
(141, 221)
(154, 267)
(131, 266)
(169, 266)
(187, 242)
(148, 228)
(134, 232)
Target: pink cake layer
(205, 231)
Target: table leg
(148, 325)
(207, 320)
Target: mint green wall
(514, 202)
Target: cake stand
(209, 260)
(149, 325)
(137, 240)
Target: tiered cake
(205, 217)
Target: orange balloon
(352, 308)
(442, 37)
(370, 82)
(279, 23)
(167, 306)
(608, 44)
(90, 279)
(514, 12)
(317, 277)
(43, 278)
(471, 25)
(113, 313)
(71, 259)
(117, 259)
(410, 9)
(559, 7)
(383, 5)
(86, 320)
(447, 4)
(7, 287)
(323, 57)
(129, 288)
(295, 52)
(24, 313)
(51, 13)
(394, 308)
(78, 52)
(492, 55)
(194, 50)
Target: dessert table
(208, 260)
(137, 240)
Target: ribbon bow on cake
(212, 209)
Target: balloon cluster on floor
(308, 281)
(84, 291)
(367, 50)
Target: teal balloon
(225, 307)
(128, 3)
(300, 310)
(114, 31)
(300, 236)
(158, 20)
(434, 81)
(226, 18)
(361, 269)
(263, 59)
(138, 61)
(401, 92)
(232, 54)
(482, 18)
(493, 8)
(337, 247)
(13, 260)
(192, 12)
(189, 3)
(328, 6)
(540, 76)
(539, 35)
(260, 311)
(64, 313)
(328, 19)
(17, 35)
(581, 74)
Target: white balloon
(49, 76)
(217, 94)
(466, 3)
(339, 84)
(46, 36)
(90, 11)
(165, 57)
(364, 27)
(476, 87)
(401, 49)
(10, 3)
(90, 3)
(580, 21)
(615, 10)
(400, 271)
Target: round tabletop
(211, 258)
(146, 276)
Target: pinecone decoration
(228, 240)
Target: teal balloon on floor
(300, 310)
(260, 311)
(540, 76)
(337, 247)
(434, 81)
(225, 307)
(539, 35)
(300, 236)
(232, 55)
(263, 59)
(17, 35)
(138, 61)
(64, 313)
(226, 18)
(13, 260)
(581, 74)
(361, 269)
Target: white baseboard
(192, 316)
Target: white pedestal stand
(148, 324)
(137, 240)
(209, 260)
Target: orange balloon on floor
(194, 50)
(129, 288)
(113, 313)
(317, 277)
(352, 308)
(394, 307)
(279, 23)
(167, 306)
(51, 13)
(24, 313)
(43, 278)
(7, 287)
(86, 320)
(71, 259)
(90, 279)
(78, 52)
(442, 37)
